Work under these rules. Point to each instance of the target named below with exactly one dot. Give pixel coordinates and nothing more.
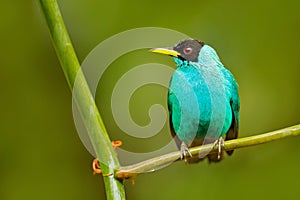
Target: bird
(203, 100)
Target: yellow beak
(166, 51)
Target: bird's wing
(171, 99)
(235, 108)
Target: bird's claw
(184, 150)
(220, 143)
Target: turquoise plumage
(203, 98)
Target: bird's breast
(198, 103)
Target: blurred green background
(41, 155)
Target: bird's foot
(220, 143)
(96, 165)
(184, 150)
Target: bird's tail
(214, 157)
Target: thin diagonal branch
(155, 163)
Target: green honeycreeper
(203, 99)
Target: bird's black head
(185, 50)
(189, 49)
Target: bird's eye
(187, 50)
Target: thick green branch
(155, 163)
(83, 98)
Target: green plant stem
(84, 99)
(155, 163)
